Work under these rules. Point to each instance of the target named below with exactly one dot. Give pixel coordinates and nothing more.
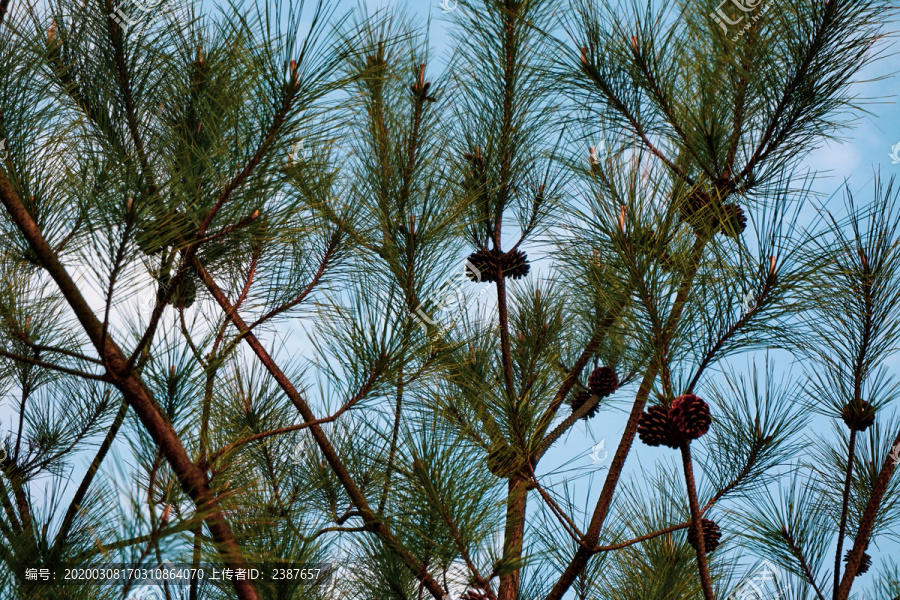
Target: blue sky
(862, 150)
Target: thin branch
(696, 522)
(845, 506)
(635, 123)
(119, 544)
(57, 350)
(567, 384)
(395, 434)
(798, 553)
(81, 492)
(332, 529)
(267, 434)
(563, 518)
(665, 106)
(264, 146)
(46, 365)
(764, 147)
(371, 519)
(230, 229)
(644, 538)
(323, 265)
(192, 479)
(729, 333)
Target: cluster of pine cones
(491, 263)
(686, 419)
(602, 382)
(709, 216)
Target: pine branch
(559, 513)
(363, 391)
(39, 363)
(478, 578)
(845, 505)
(191, 478)
(713, 350)
(84, 486)
(327, 257)
(10, 511)
(645, 537)
(395, 433)
(798, 553)
(263, 148)
(373, 523)
(117, 39)
(571, 377)
(619, 105)
(865, 525)
(737, 128)
(696, 522)
(665, 106)
(764, 148)
(583, 555)
(505, 351)
(39, 348)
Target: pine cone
(734, 221)
(644, 239)
(502, 461)
(656, 428)
(486, 261)
(603, 381)
(711, 535)
(185, 293)
(652, 243)
(514, 264)
(579, 399)
(864, 564)
(690, 416)
(473, 595)
(154, 235)
(700, 211)
(858, 415)
(490, 263)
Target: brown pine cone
(864, 564)
(711, 535)
(701, 212)
(579, 399)
(690, 415)
(185, 293)
(514, 264)
(486, 261)
(473, 595)
(858, 415)
(734, 221)
(490, 263)
(603, 381)
(656, 428)
(502, 461)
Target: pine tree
(243, 322)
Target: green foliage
(238, 324)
